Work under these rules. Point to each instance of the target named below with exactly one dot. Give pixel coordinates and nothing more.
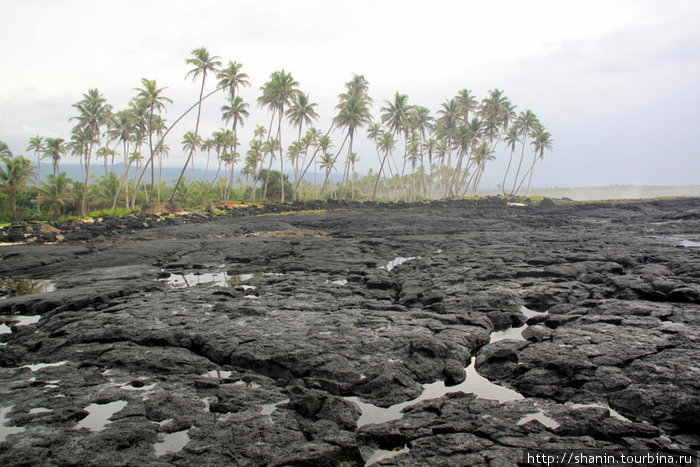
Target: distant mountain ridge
(170, 174)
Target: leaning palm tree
(151, 97)
(55, 148)
(327, 163)
(277, 94)
(482, 154)
(14, 177)
(203, 63)
(385, 144)
(191, 142)
(526, 122)
(542, 140)
(512, 138)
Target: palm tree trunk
(86, 185)
(379, 174)
(150, 147)
(505, 175)
(229, 185)
(196, 130)
(279, 138)
(520, 163)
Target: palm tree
(466, 103)
(327, 163)
(420, 121)
(526, 123)
(446, 125)
(203, 63)
(55, 148)
(511, 139)
(105, 153)
(124, 129)
(253, 162)
(482, 154)
(231, 159)
(36, 144)
(497, 112)
(466, 136)
(237, 111)
(93, 114)
(5, 152)
(151, 97)
(56, 191)
(542, 140)
(278, 93)
(14, 177)
(231, 78)
(394, 116)
(354, 159)
(191, 142)
(301, 112)
(353, 113)
(386, 144)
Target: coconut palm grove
(418, 154)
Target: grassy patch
(118, 212)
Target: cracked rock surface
(239, 340)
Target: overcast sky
(614, 82)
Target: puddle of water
(397, 261)
(39, 366)
(600, 405)
(172, 442)
(15, 286)
(221, 374)
(517, 332)
(190, 279)
(541, 417)
(382, 454)
(218, 279)
(473, 384)
(99, 415)
(5, 429)
(510, 333)
(268, 409)
(16, 320)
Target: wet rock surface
(242, 340)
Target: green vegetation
(420, 155)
